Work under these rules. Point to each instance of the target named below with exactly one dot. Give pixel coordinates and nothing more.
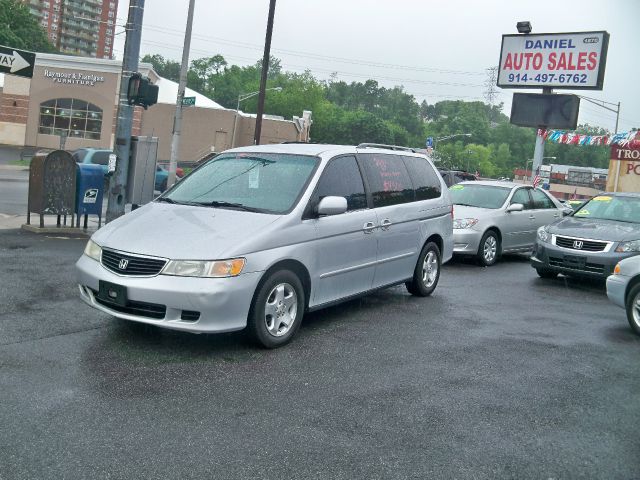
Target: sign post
(17, 62)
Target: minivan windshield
(477, 195)
(610, 207)
(269, 183)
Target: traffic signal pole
(118, 181)
(182, 85)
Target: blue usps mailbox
(89, 192)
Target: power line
(351, 61)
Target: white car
(623, 289)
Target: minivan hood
(592, 228)
(183, 232)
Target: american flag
(537, 180)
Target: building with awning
(77, 97)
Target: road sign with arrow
(16, 62)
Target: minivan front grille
(579, 244)
(131, 265)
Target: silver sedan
(623, 289)
(491, 218)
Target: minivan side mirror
(332, 206)
(567, 211)
(515, 207)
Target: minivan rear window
(261, 182)
(426, 181)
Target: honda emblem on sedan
(123, 264)
(577, 244)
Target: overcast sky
(437, 50)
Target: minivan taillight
(452, 210)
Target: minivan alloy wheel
(633, 308)
(280, 309)
(430, 269)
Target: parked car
(623, 289)
(258, 235)
(452, 177)
(592, 240)
(492, 217)
(98, 156)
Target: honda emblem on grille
(123, 264)
(578, 244)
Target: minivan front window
(246, 181)
(481, 196)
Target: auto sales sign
(553, 60)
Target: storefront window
(76, 117)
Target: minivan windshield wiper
(223, 204)
(174, 202)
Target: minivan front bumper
(173, 302)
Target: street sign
(188, 101)
(16, 62)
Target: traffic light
(141, 91)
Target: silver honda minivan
(259, 235)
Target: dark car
(591, 241)
(453, 177)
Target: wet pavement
(499, 375)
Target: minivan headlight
(208, 269)
(543, 234)
(464, 223)
(93, 250)
(632, 246)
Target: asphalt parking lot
(499, 375)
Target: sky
(436, 50)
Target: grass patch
(21, 163)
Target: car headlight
(632, 246)
(543, 234)
(93, 250)
(464, 223)
(617, 269)
(210, 269)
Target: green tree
(20, 29)
(164, 67)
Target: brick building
(78, 27)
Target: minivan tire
(489, 241)
(278, 299)
(427, 272)
(633, 311)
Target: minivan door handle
(385, 224)
(532, 217)
(369, 227)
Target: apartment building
(78, 27)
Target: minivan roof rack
(388, 147)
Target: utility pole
(538, 152)
(118, 181)
(265, 71)
(182, 85)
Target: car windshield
(609, 207)
(481, 196)
(246, 181)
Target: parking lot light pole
(242, 97)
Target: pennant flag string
(571, 138)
